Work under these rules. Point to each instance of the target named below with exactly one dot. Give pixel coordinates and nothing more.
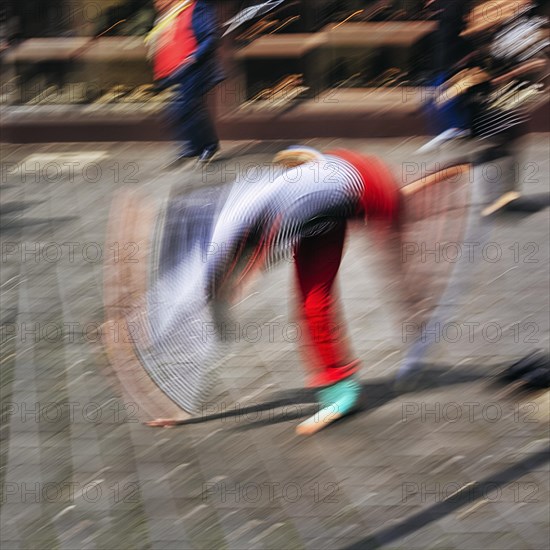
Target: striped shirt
(283, 206)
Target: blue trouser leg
(450, 115)
(194, 128)
(204, 126)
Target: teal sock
(342, 396)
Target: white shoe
(447, 135)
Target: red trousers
(317, 262)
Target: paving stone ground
(458, 463)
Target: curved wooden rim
(131, 221)
(435, 177)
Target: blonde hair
(289, 158)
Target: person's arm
(206, 30)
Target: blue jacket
(202, 75)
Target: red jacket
(176, 43)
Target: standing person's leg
(184, 114)
(317, 263)
(500, 175)
(206, 130)
(195, 129)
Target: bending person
(300, 208)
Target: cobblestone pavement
(459, 463)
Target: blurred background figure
(183, 46)
(491, 69)
(511, 67)
(451, 51)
